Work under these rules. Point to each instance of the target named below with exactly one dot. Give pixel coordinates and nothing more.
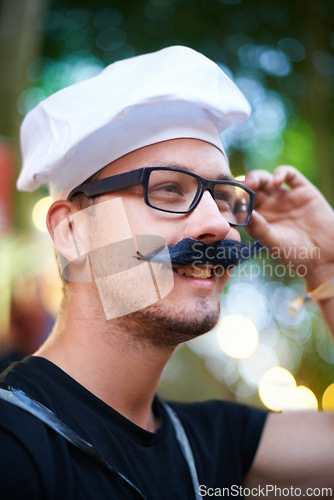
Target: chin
(165, 325)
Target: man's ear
(67, 237)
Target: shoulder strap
(185, 446)
(18, 398)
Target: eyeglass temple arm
(109, 184)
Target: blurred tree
(317, 20)
(20, 44)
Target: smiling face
(192, 307)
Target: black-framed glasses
(178, 191)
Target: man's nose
(206, 223)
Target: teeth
(191, 272)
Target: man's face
(192, 307)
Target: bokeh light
(39, 213)
(293, 48)
(247, 300)
(328, 399)
(304, 399)
(51, 291)
(277, 388)
(237, 336)
(253, 367)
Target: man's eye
(170, 188)
(224, 197)
(224, 205)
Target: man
(137, 152)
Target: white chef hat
(173, 93)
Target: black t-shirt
(37, 463)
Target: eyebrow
(221, 177)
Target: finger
(259, 179)
(290, 175)
(260, 229)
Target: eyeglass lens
(175, 191)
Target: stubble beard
(167, 327)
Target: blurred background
(280, 53)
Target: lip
(194, 271)
(206, 283)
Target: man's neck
(103, 357)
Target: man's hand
(293, 218)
